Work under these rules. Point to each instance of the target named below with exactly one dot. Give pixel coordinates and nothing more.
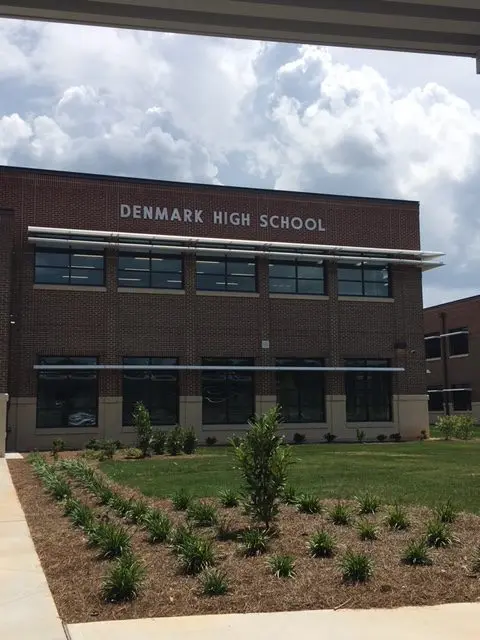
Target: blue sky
(253, 114)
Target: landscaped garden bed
(76, 575)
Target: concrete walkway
(27, 610)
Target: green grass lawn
(419, 472)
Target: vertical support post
(444, 350)
(3, 423)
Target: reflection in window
(364, 280)
(156, 388)
(458, 343)
(69, 267)
(150, 271)
(301, 394)
(297, 277)
(67, 398)
(226, 274)
(369, 393)
(227, 396)
(433, 348)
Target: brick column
(6, 244)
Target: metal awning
(199, 367)
(450, 390)
(143, 242)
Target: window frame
(388, 381)
(65, 425)
(302, 362)
(364, 268)
(456, 338)
(431, 335)
(296, 263)
(209, 361)
(70, 252)
(227, 261)
(150, 272)
(151, 393)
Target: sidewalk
(27, 610)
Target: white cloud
(241, 112)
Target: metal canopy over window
(56, 237)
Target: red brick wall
(111, 325)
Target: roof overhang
(143, 242)
(450, 27)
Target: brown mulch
(75, 575)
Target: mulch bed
(75, 575)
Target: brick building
(209, 304)
(452, 349)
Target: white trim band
(195, 367)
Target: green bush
(228, 498)
(263, 462)
(196, 554)
(367, 531)
(416, 553)
(159, 441)
(368, 503)
(438, 534)
(108, 449)
(290, 495)
(59, 488)
(447, 426)
(308, 503)
(202, 513)
(465, 427)
(175, 440)
(361, 435)
(381, 437)
(190, 441)
(214, 582)
(211, 441)
(82, 516)
(299, 438)
(143, 428)
(397, 518)
(282, 566)
(254, 542)
(322, 545)
(395, 437)
(356, 567)
(179, 537)
(158, 526)
(124, 580)
(446, 512)
(340, 515)
(58, 445)
(69, 506)
(181, 500)
(137, 510)
(111, 539)
(329, 437)
(224, 530)
(132, 453)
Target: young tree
(263, 460)
(143, 427)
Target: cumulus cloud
(252, 114)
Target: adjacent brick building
(452, 348)
(209, 304)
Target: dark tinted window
(69, 267)
(458, 343)
(150, 271)
(462, 399)
(301, 394)
(433, 347)
(368, 393)
(297, 277)
(226, 274)
(227, 395)
(364, 280)
(435, 399)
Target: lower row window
(68, 397)
(460, 398)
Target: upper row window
(154, 271)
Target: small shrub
(120, 504)
(224, 530)
(368, 503)
(447, 426)
(143, 428)
(465, 427)
(290, 495)
(475, 564)
(340, 515)
(59, 488)
(361, 435)
(211, 441)
(190, 441)
(111, 539)
(299, 438)
(395, 437)
(329, 437)
(93, 444)
(195, 554)
(124, 580)
(322, 545)
(446, 512)
(181, 500)
(132, 453)
(228, 498)
(308, 503)
(105, 495)
(282, 566)
(214, 582)
(235, 441)
(381, 437)
(423, 435)
(58, 445)
(69, 506)
(438, 534)
(159, 440)
(203, 514)
(179, 537)
(82, 516)
(416, 553)
(137, 511)
(157, 525)
(397, 518)
(356, 567)
(254, 542)
(109, 448)
(174, 444)
(367, 531)
(35, 458)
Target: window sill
(306, 426)
(74, 431)
(296, 296)
(459, 355)
(432, 359)
(225, 427)
(175, 292)
(365, 299)
(385, 424)
(229, 294)
(66, 287)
